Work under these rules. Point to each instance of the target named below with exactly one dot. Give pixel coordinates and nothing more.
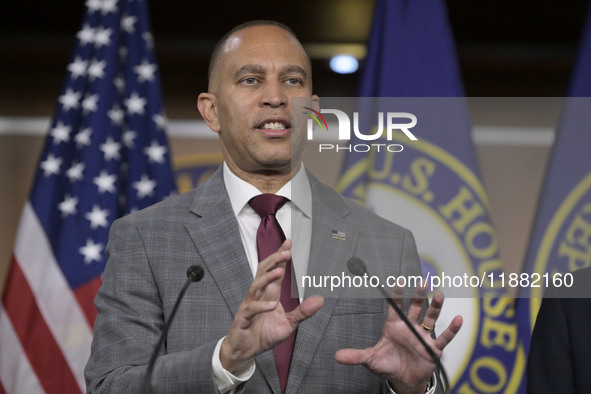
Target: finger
(417, 301)
(256, 307)
(352, 356)
(274, 259)
(266, 277)
(282, 255)
(307, 308)
(434, 310)
(397, 295)
(269, 275)
(268, 265)
(450, 332)
(267, 286)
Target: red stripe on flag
(2, 391)
(85, 295)
(41, 348)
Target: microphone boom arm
(194, 274)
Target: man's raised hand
(261, 322)
(398, 356)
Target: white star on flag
(97, 217)
(68, 206)
(128, 137)
(155, 152)
(91, 251)
(74, 173)
(96, 69)
(145, 71)
(93, 5)
(60, 133)
(105, 182)
(119, 83)
(111, 149)
(149, 39)
(102, 37)
(90, 103)
(161, 120)
(69, 100)
(135, 104)
(78, 67)
(128, 22)
(83, 138)
(86, 35)
(108, 6)
(51, 165)
(116, 115)
(145, 186)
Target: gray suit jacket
(149, 253)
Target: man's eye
(294, 81)
(249, 81)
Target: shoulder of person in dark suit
(560, 351)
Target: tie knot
(267, 204)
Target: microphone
(358, 268)
(194, 274)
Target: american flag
(106, 155)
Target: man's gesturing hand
(261, 323)
(398, 356)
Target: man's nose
(274, 94)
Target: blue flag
(106, 155)
(560, 241)
(433, 187)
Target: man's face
(260, 69)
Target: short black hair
(217, 49)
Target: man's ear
(207, 106)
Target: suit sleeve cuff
(225, 380)
(430, 390)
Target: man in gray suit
(223, 337)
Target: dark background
(505, 47)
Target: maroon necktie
(269, 239)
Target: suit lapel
(328, 256)
(215, 234)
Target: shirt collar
(241, 192)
